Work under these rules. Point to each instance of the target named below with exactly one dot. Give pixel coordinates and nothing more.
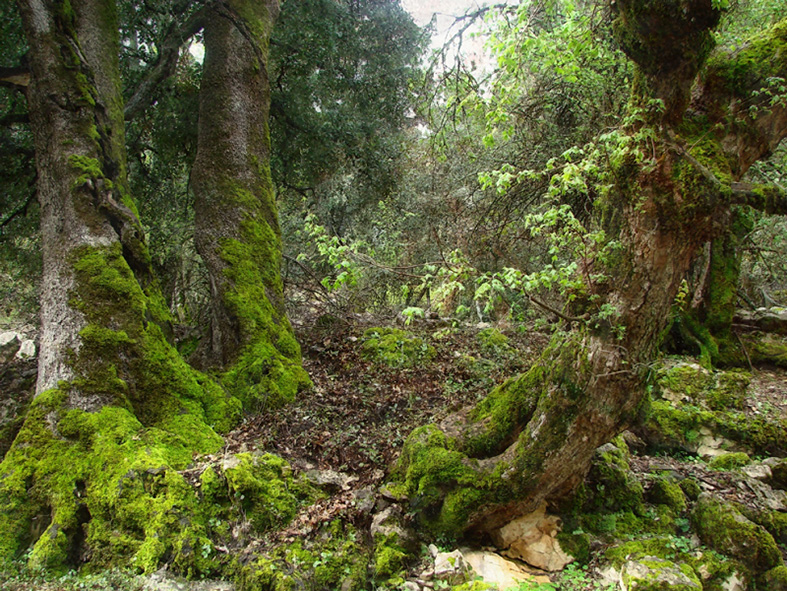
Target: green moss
(389, 557)
(444, 481)
(740, 71)
(613, 486)
(713, 569)
(666, 492)
(333, 560)
(691, 488)
(767, 349)
(728, 391)
(105, 479)
(679, 428)
(396, 348)
(729, 461)
(776, 579)
(263, 489)
(687, 380)
(576, 545)
(264, 378)
(722, 527)
(493, 342)
(267, 371)
(659, 571)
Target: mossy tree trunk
(532, 438)
(114, 399)
(704, 327)
(237, 228)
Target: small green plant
(578, 578)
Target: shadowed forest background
(292, 300)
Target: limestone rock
(758, 471)
(734, 583)
(165, 581)
(656, 574)
(389, 523)
(10, 342)
(451, 567)
(775, 500)
(26, 350)
(533, 539)
(364, 500)
(711, 445)
(496, 570)
(330, 479)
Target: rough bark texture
(237, 228)
(114, 399)
(532, 438)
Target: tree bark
(237, 228)
(532, 438)
(113, 396)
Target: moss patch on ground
(396, 348)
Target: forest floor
(353, 423)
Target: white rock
(10, 342)
(734, 583)
(330, 479)
(609, 576)
(759, 471)
(451, 567)
(496, 570)
(711, 445)
(532, 539)
(26, 350)
(8, 336)
(411, 586)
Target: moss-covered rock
(683, 381)
(613, 484)
(691, 488)
(776, 579)
(779, 472)
(728, 390)
(656, 574)
(709, 567)
(767, 349)
(666, 492)
(729, 461)
(396, 348)
(722, 527)
(688, 427)
(493, 342)
(333, 560)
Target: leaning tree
(116, 407)
(673, 180)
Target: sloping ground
(652, 508)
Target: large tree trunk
(532, 438)
(237, 228)
(114, 398)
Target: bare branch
(169, 51)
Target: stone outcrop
(533, 539)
